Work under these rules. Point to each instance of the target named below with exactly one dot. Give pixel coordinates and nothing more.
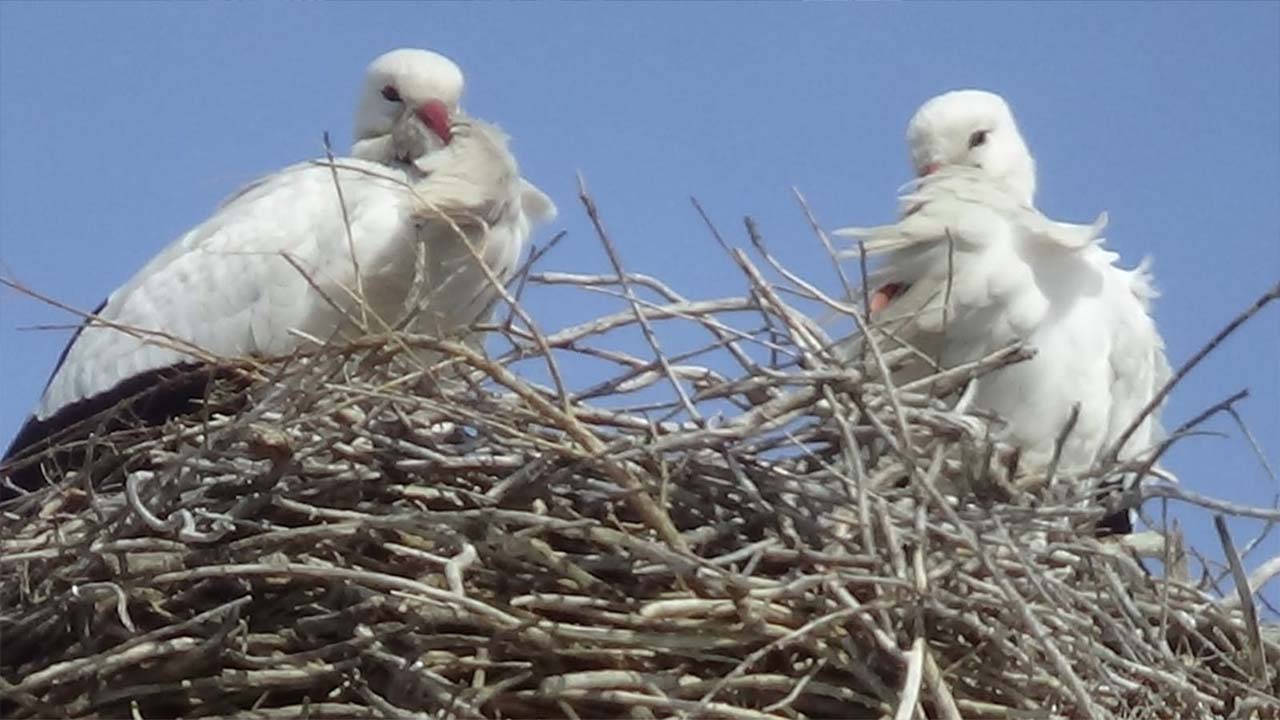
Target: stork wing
(1139, 368)
(238, 283)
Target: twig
(1243, 591)
(1214, 342)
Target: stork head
(405, 86)
(972, 128)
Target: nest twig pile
(764, 532)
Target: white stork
(973, 267)
(277, 263)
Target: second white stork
(972, 267)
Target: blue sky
(122, 125)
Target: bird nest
(746, 528)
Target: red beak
(929, 169)
(435, 116)
(881, 298)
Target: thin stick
(346, 223)
(1243, 591)
(650, 337)
(1158, 398)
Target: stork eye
(389, 92)
(978, 138)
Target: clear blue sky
(122, 125)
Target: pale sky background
(123, 125)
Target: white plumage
(277, 263)
(972, 267)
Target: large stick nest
(765, 532)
